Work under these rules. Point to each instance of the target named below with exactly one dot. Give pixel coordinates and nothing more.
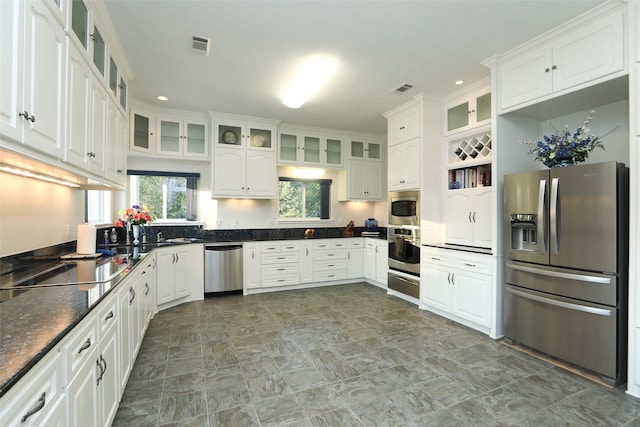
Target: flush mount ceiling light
(459, 82)
(162, 98)
(310, 77)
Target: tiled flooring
(346, 356)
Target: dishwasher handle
(222, 248)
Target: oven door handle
(411, 282)
(568, 305)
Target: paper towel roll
(86, 239)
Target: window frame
(325, 199)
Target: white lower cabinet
(376, 260)
(459, 285)
(173, 279)
(279, 264)
(355, 258)
(38, 399)
(329, 260)
(306, 262)
(251, 265)
(91, 374)
(469, 217)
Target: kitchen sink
(179, 240)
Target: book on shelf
(471, 177)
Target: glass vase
(136, 232)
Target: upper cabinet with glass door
(468, 109)
(366, 150)
(310, 147)
(187, 137)
(249, 133)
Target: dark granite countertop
(34, 320)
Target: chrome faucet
(159, 236)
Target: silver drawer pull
(468, 264)
(280, 269)
(85, 346)
(435, 258)
(42, 400)
(280, 280)
(331, 265)
(280, 257)
(109, 316)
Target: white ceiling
(379, 45)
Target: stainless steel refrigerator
(566, 239)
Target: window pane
(312, 200)
(290, 199)
(166, 197)
(176, 198)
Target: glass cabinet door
(334, 151)
(230, 136)
(169, 137)
(373, 150)
(311, 147)
(259, 138)
(288, 148)
(99, 53)
(141, 132)
(458, 116)
(113, 77)
(196, 141)
(80, 22)
(357, 149)
(123, 93)
(483, 107)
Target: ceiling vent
(201, 45)
(405, 87)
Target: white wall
(36, 214)
(241, 213)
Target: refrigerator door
(525, 216)
(583, 218)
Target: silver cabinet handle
(109, 316)
(468, 264)
(469, 216)
(449, 278)
(85, 346)
(42, 400)
(133, 295)
(452, 277)
(435, 258)
(146, 289)
(25, 114)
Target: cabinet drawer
(474, 264)
(279, 281)
(79, 348)
(338, 244)
(108, 315)
(329, 265)
(289, 247)
(40, 388)
(434, 257)
(330, 255)
(279, 270)
(279, 257)
(324, 276)
(270, 247)
(323, 244)
(358, 243)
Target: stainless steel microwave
(404, 208)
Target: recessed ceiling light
(162, 98)
(459, 82)
(310, 77)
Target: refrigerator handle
(542, 216)
(554, 216)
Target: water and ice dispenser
(524, 232)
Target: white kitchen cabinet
(173, 274)
(583, 53)
(376, 259)
(404, 168)
(142, 137)
(251, 265)
(361, 180)
(469, 216)
(467, 110)
(404, 123)
(33, 88)
(186, 137)
(355, 258)
(329, 260)
(126, 326)
(117, 136)
(279, 264)
(38, 398)
(368, 150)
(306, 262)
(312, 148)
(241, 132)
(244, 174)
(458, 285)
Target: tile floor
(346, 356)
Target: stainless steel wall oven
(404, 260)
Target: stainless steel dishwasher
(222, 267)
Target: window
(170, 196)
(304, 198)
(98, 206)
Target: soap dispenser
(114, 236)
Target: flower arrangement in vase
(133, 218)
(566, 148)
